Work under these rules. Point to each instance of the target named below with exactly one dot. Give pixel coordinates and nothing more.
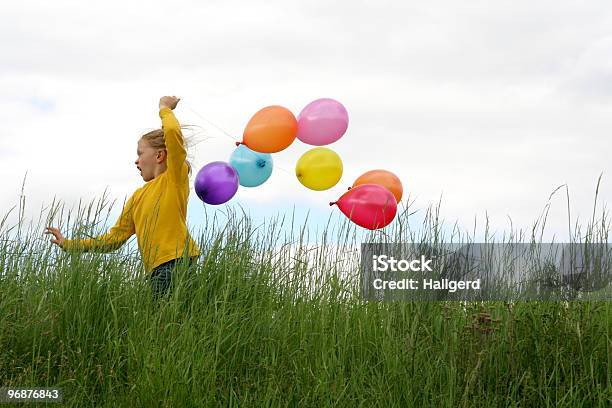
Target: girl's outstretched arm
(176, 166)
(112, 240)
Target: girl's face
(149, 160)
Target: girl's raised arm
(175, 146)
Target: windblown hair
(155, 139)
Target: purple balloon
(322, 122)
(216, 183)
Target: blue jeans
(161, 276)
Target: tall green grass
(272, 316)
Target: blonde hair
(155, 139)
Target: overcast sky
(489, 105)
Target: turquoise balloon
(253, 168)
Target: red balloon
(368, 205)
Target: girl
(157, 211)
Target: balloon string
(218, 128)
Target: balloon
(253, 168)
(270, 130)
(369, 205)
(383, 178)
(319, 168)
(322, 122)
(216, 182)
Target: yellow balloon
(319, 168)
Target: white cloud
(492, 105)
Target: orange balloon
(383, 178)
(270, 130)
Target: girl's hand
(168, 102)
(58, 238)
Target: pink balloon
(368, 205)
(322, 122)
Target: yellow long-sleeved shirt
(156, 212)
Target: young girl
(157, 211)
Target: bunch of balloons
(370, 203)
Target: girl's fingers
(56, 234)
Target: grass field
(269, 319)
